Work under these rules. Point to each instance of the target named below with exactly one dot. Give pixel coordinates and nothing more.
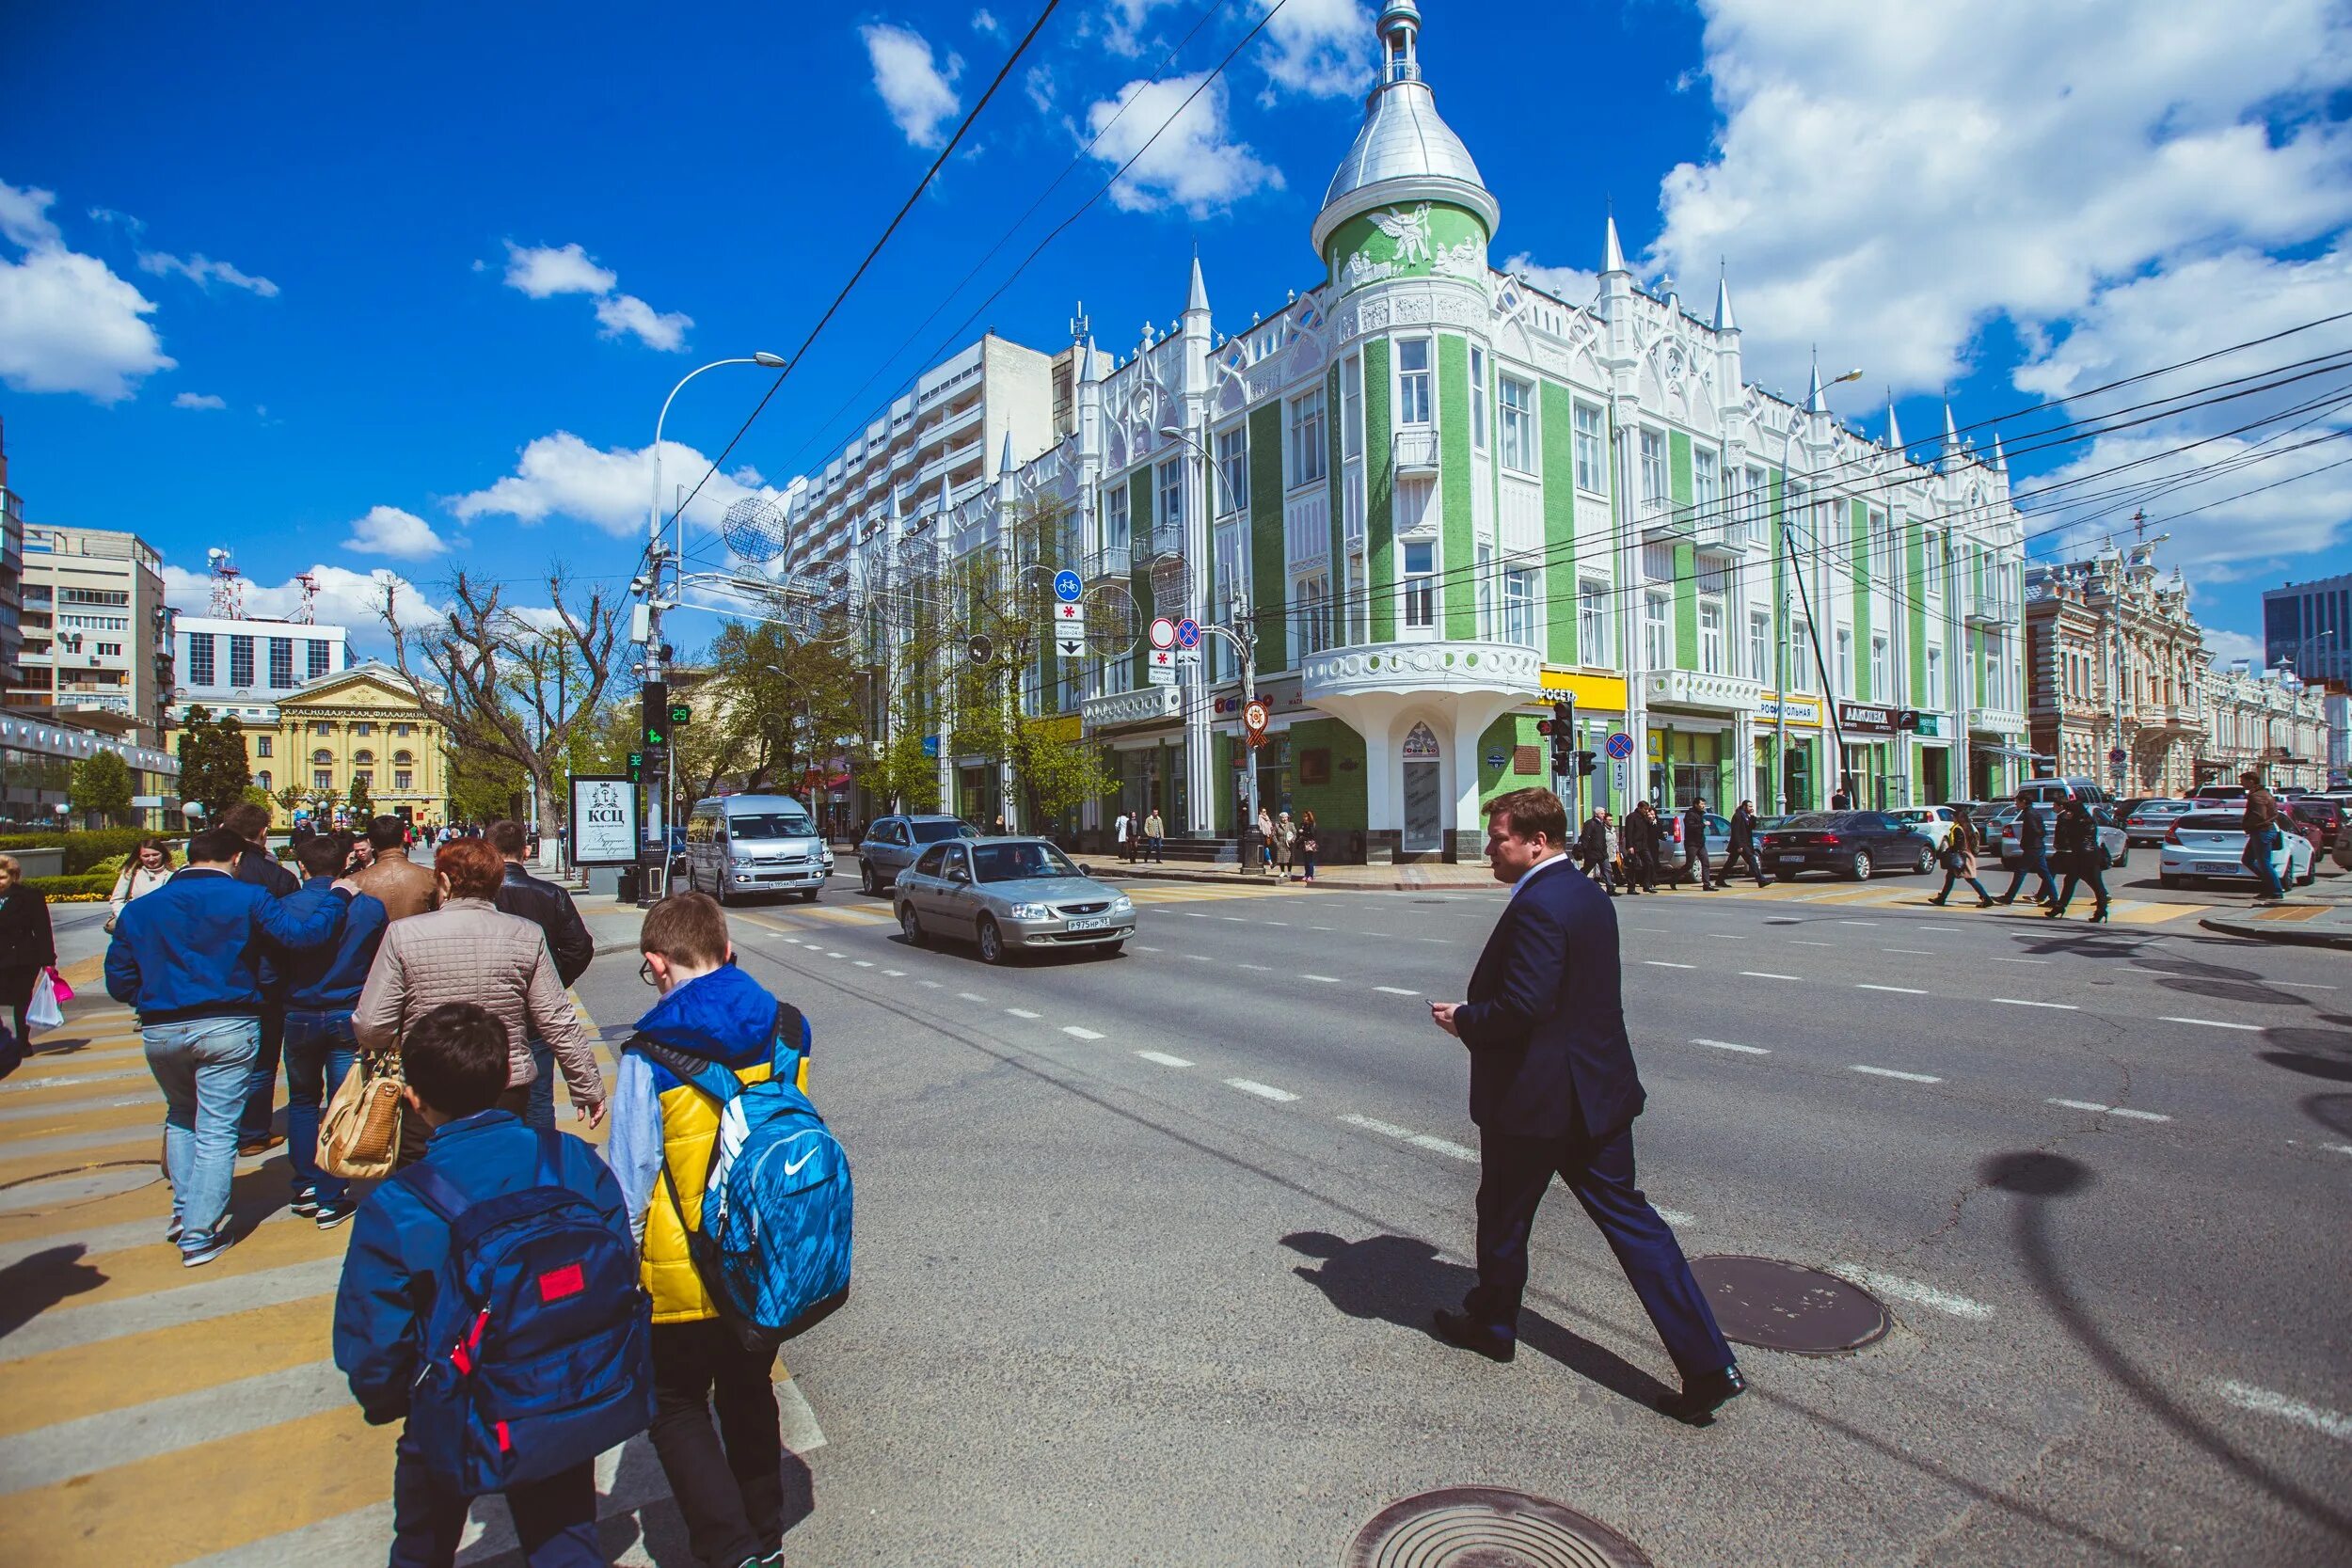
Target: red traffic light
(1542, 726)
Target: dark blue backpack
(538, 1347)
(773, 1248)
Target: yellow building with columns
(361, 725)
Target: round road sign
(1188, 633)
(1620, 745)
(1163, 633)
(1067, 587)
(1254, 715)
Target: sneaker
(332, 1214)
(204, 1251)
(306, 1204)
(171, 1232)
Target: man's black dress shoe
(1703, 1395)
(1464, 1332)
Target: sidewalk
(1439, 874)
(2316, 916)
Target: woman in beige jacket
(466, 950)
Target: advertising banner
(603, 820)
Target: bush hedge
(86, 848)
(56, 888)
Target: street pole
(1197, 727)
(1243, 635)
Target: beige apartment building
(97, 632)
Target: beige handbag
(359, 1134)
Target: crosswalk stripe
(63, 1450)
(208, 1297)
(86, 1380)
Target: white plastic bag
(43, 1011)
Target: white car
(2207, 846)
(1934, 823)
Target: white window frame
(1232, 471)
(1706, 488)
(1310, 615)
(1418, 585)
(1309, 457)
(1592, 623)
(1517, 426)
(1761, 645)
(1845, 659)
(1657, 638)
(1352, 406)
(1590, 436)
(1415, 407)
(1657, 482)
(1478, 398)
(1881, 687)
(1936, 693)
(1172, 490)
(1118, 532)
(1485, 577)
(1711, 646)
(1800, 672)
(1518, 608)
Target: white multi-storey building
(244, 667)
(2271, 724)
(1439, 498)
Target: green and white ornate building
(1443, 498)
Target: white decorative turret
(1894, 431)
(1724, 322)
(1198, 300)
(1612, 253)
(1949, 460)
(1816, 401)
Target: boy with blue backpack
(745, 1238)
(490, 1299)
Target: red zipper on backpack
(461, 1355)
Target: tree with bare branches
(507, 686)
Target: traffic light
(653, 708)
(1562, 732)
(635, 766)
(1587, 764)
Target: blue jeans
(2036, 863)
(2260, 847)
(320, 1049)
(540, 1114)
(201, 1067)
(555, 1518)
(261, 1081)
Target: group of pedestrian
(1634, 854)
(1140, 837)
(454, 976)
(2061, 855)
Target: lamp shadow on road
(31, 1286)
(1401, 1280)
(68, 1047)
(2038, 1179)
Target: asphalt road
(1147, 1245)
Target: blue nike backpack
(538, 1344)
(774, 1245)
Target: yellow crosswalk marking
(115, 1373)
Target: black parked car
(1846, 843)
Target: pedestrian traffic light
(655, 711)
(636, 766)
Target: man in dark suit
(1552, 1089)
(260, 869)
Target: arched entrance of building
(1424, 791)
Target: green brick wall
(1339, 804)
(1336, 511)
(1916, 612)
(1458, 583)
(1858, 523)
(1139, 570)
(1686, 556)
(1559, 455)
(1267, 588)
(1379, 492)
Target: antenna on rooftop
(306, 614)
(228, 586)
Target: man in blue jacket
(454, 1059)
(188, 957)
(1552, 1089)
(262, 869)
(321, 987)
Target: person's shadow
(1401, 1280)
(33, 1285)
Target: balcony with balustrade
(1416, 450)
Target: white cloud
(204, 273)
(354, 600)
(1890, 180)
(198, 399)
(390, 530)
(1123, 22)
(1317, 47)
(662, 329)
(67, 322)
(1573, 286)
(544, 271)
(984, 21)
(562, 476)
(1185, 159)
(2223, 646)
(1038, 84)
(916, 88)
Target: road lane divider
(1946, 1302)
(1893, 1072)
(2108, 1110)
(1263, 1091)
(1731, 1045)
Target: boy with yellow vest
(732, 1495)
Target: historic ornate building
(2271, 724)
(2115, 664)
(1438, 498)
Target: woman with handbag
(2078, 859)
(150, 868)
(27, 944)
(1309, 844)
(1285, 844)
(1960, 863)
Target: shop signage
(1797, 710)
(1866, 718)
(1928, 726)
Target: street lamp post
(657, 796)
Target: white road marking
(1386, 1129)
(1890, 1073)
(1726, 936)
(1661, 963)
(1146, 947)
(1857, 923)
(1730, 1045)
(1162, 1058)
(1675, 1216)
(865, 963)
(2337, 1148)
(1199, 957)
(2216, 1024)
(1395, 990)
(896, 974)
(1194, 915)
(1321, 979)
(1442, 1145)
(1900, 991)
(1911, 1291)
(1655, 931)
(2108, 1110)
(971, 996)
(931, 984)
(2263, 1403)
(1075, 1032)
(1913, 952)
(1266, 969)
(2019, 1002)
(836, 955)
(1273, 922)
(2000, 960)
(1318, 927)
(1767, 974)
(1799, 942)
(1263, 1091)
(1234, 918)
(1021, 1012)
(1947, 930)
(2303, 985)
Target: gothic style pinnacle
(1612, 253)
(1816, 402)
(1199, 298)
(1894, 431)
(1724, 321)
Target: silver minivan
(742, 844)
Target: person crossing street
(2033, 844)
(1742, 845)
(1694, 842)
(550, 907)
(2079, 859)
(1597, 848)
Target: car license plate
(2218, 868)
(1091, 923)
(1788, 860)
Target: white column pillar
(1384, 805)
(1470, 719)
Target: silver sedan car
(1010, 895)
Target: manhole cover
(1777, 1306)
(1486, 1526)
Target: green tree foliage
(102, 785)
(484, 788)
(779, 703)
(361, 806)
(901, 773)
(213, 767)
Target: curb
(2285, 936)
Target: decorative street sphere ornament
(754, 530)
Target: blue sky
(398, 291)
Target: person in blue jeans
(454, 1059)
(321, 987)
(188, 957)
(2033, 844)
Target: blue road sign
(1188, 633)
(1620, 745)
(930, 745)
(1067, 587)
